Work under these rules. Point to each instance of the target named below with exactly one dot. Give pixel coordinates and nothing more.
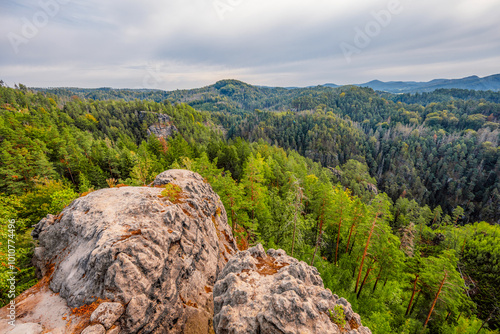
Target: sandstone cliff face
(162, 129)
(147, 263)
(274, 293)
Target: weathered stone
(27, 328)
(132, 246)
(360, 330)
(57, 331)
(39, 305)
(114, 330)
(163, 128)
(41, 224)
(94, 329)
(152, 263)
(275, 293)
(107, 314)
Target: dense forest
(439, 148)
(443, 154)
(396, 202)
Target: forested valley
(394, 198)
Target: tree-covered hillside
(439, 148)
(348, 184)
(443, 154)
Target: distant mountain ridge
(474, 82)
(235, 96)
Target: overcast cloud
(175, 44)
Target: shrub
(337, 316)
(172, 192)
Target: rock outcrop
(274, 293)
(146, 260)
(130, 260)
(164, 128)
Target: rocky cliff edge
(273, 293)
(129, 260)
(162, 259)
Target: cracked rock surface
(134, 248)
(275, 293)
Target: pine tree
(323, 208)
(256, 194)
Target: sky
(181, 44)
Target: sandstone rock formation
(138, 260)
(129, 260)
(274, 293)
(163, 129)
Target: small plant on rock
(111, 182)
(337, 316)
(172, 192)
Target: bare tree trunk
(484, 323)
(435, 300)
(435, 217)
(487, 319)
(364, 281)
(351, 229)
(69, 169)
(365, 251)
(416, 302)
(412, 294)
(378, 278)
(349, 239)
(353, 242)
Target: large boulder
(274, 293)
(150, 260)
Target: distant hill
(235, 96)
(491, 82)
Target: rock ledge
(275, 293)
